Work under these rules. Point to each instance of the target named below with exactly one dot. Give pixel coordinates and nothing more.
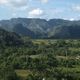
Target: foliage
(55, 59)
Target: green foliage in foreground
(40, 60)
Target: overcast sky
(47, 9)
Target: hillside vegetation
(41, 28)
(22, 58)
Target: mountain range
(42, 28)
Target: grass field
(23, 73)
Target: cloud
(76, 8)
(3, 2)
(14, 3)
(71, 19)
(18, 3)
(36, 13)
(44, 1)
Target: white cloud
(76, 7)
(44, 1)
(36, 13)
(71, 19)
(14, 3)
(18, 3)
(3, 2)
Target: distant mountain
(41, 28)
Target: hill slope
(41, 28)
(9, 38)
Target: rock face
(41, 28)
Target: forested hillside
(41, 28)
(22, 58)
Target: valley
(38, 59)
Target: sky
(45, 9)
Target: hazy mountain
(41, 28)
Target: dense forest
(23, 58)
